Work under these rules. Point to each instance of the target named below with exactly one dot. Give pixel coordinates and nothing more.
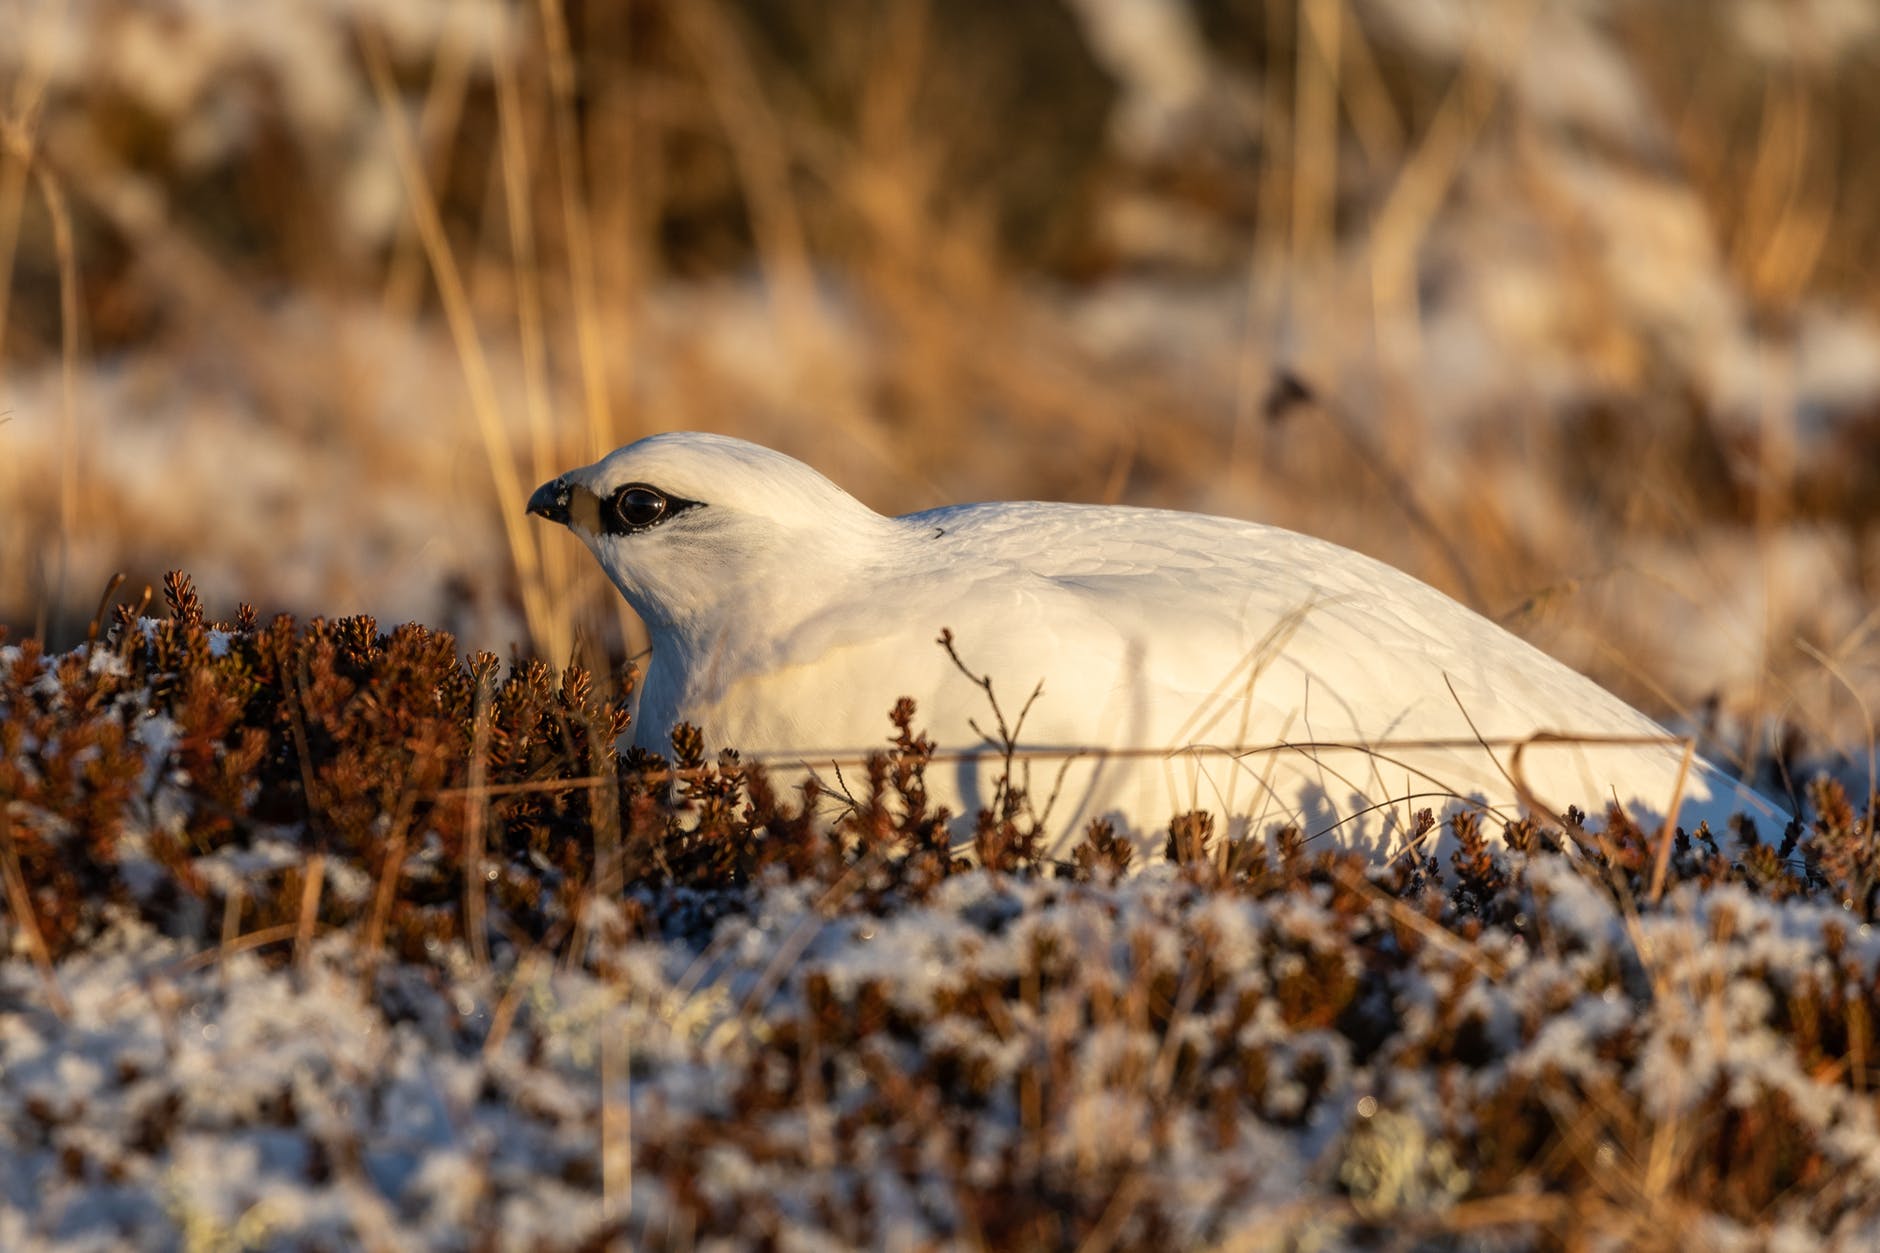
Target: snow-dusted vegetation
(331, 933)
(326, 937)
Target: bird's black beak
(551, 501)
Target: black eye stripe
(637, 507)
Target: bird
(1124, 665)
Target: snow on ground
(184, 1103)
(847, 1050)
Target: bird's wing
(1378, 651)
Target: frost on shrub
(323, 935)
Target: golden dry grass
(938, 275)
(441, 257)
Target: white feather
(1267, 676)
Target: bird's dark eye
(638, 507)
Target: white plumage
(1266, 676)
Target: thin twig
(1354, 879)
(475, 817)
(210, 956)
(310, 891)
(1670, 828)
(20, 900)
(964, 756)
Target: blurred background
(1567, 306)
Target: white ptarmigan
(1268, 677)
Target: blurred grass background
(1566, 306)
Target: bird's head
(689, 525)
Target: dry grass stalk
(20, 902)
(545, 627)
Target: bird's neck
(709, 619)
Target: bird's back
(1192, 662)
